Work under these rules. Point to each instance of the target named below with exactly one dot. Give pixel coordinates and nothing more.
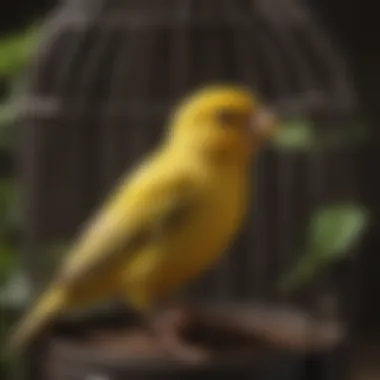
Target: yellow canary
(170, 218)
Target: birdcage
(104, 79)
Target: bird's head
(223, 121)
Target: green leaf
(333, 231)
(16, 50)
(295, 135)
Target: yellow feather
(170, 218)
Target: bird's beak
(264, 123)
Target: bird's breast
(196, 244)
(218, 220)
(211, 227)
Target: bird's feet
(169, 329)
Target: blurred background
(85, 89)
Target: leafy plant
(332, 233)
(15, 53)
(16, 50)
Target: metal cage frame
(105, 65)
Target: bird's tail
(40, 317)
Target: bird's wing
(128, 222)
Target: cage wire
(104, 79)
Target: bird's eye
(226, 117)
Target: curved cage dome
(108, 72)
(109, 50)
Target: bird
(170, 218)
